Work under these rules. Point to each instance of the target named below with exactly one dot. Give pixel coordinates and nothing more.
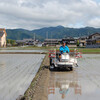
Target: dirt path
(38, 88)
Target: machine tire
(71, 68)
(52, 68)
(50, 61)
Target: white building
(3, 35)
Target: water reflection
(62, 83)
(81, 84)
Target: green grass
(86, 50)
(89, 50)
(27, 48)
(83, 50)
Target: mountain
(50, 32)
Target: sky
(35, 14)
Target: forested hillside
(50, 32)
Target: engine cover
(64, 57)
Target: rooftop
(1, 33)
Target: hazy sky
(31, 14)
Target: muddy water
(23, 51)
(16, 73)
(81, 84)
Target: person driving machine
(64, 48)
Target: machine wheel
(71, 68)
(50, 61)
(52, 67)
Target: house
(51, 42)
(94, 36)
(82, 41)
(20, 42)
(93, 41)
(70, 41)
(3, 35)
(27, 42)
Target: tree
(78, 43)
(11, 42)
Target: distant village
(91, 41)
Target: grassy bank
(26, 48)
(36, 84)
(83, 50)
(89, 50)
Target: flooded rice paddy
(23, 51)
(18, 70)
(16, 73)
(83, 83)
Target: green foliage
(78, 43)
(11, 42)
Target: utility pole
(46, 35)
(88, 33)
(34, 38)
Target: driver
(64, 48)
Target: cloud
(31, 14)
(94, 22)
